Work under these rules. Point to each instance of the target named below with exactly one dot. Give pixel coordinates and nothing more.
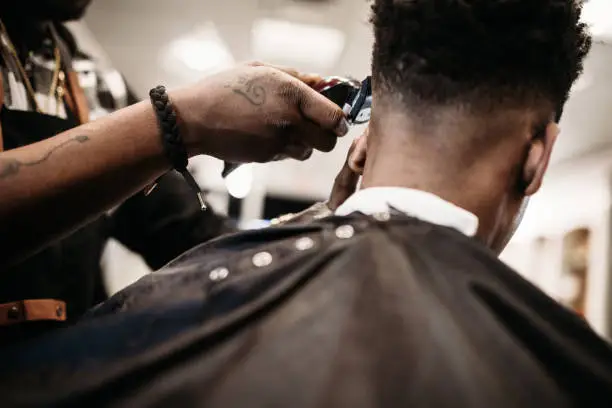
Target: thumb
(345, 183)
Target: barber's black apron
(67, 270)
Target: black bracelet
(171, 138)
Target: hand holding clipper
(353, 97)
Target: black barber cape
(345, 312)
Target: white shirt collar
(415, 203)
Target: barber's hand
(258, 113)
(345, 183)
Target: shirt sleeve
(166, 223)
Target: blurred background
(564, 244)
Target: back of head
(485, 55)
(466, 94)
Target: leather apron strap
(32, 310)
(75, 96)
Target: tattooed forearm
(251, 91)
(10, 167)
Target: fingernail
(343, 127)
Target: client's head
(467, 94)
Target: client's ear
(538, 158)
(357, 157)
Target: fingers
(297, 152)
(345, 183)
(357, 155)
(310, 120)
(312, 104)
(303, 138)
(322, 111)
(313, 136)
(347, 179)
(309, 79)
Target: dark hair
(482, 53)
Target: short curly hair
(482, 53)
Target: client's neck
(391, 165)
(398, 157)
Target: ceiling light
(203, 51)
(240, 181)
(596, 13)
(291, 43)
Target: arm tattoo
(10, 167)
(250, 90)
